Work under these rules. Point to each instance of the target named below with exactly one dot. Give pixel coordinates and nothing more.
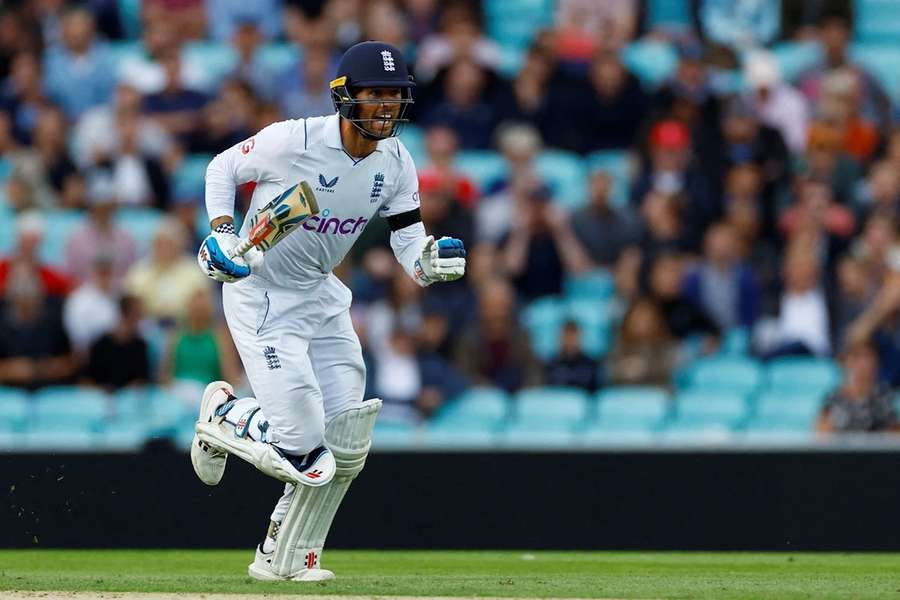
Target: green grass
(539, 574)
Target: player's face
(382, 106)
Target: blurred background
(681, 217)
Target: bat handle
(241, 249)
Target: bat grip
(241, 249)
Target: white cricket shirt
(350, 193)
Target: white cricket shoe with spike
(209, 462)
(261, 569)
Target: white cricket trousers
(301, 355)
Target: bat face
(282, 215)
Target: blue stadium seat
(736, 342)
(479, 409)
(394, 434)
(651, 61)
(141, 224)
(276, 57)
(121, 436)
(876, 21)
(122, 51)
(593, 285)
(550, 408)
(59, 225)
(66, 440)
(594, 318)
(515, 22)
(531, 436)
(168, 412)
(214, 59)
(785, 410)
(802, 374)
(617, 164)
(543, 319)
(8, 231)
(670, 15)
(482, 166)
(189, 177)
(470, 438)
(794, 58)
(726, 373)
(708, 410)
(15, 408)
(69, 408)
(12, 441)
(413, 137)
(566, 175)
(883, 62)
(631, 408)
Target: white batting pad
(302, 534)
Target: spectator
(146, 71)
(664, 229)
(167, 279)
(44, 176)
(400, 310)
(228, 119)
(385, 20)
(856, 289)
(721, 285)
(176, 107)
(602, 230)
(495, 350)
(826, 161)
(442, 144)
(34, 348)
(860, 404)
(465, 104)
(839, 107)
(252, 68)
(683, 318)
(186, 18)
(96, 138)
(880, 192)
(520, 145)
(819, 220)
(802, 324)
(835, 37)
(200, 350)
(225, 16)
(93, 308)
(397, 378)
(619, 105)
(777, 104)
(23, 95)
(460, 40)
(80, 73)
(671, 171)
(443, 211)
(572, 367)
(100, 238)
(304, 87)
(29, 236)
(644, 352)
(120, 358)
(541, 249)
(583, 25)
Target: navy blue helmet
(371, 65)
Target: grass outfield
(510, 574)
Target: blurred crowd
(771, 208)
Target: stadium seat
(393, 434)
(876, 21)
(593, 285)
(141, 224)
(651, 61)
(736, 342)
(482, 166)
(168, 411)
(130, 17)
(566, 175)
(883, 62)
(515, 22)
(794, 58)
(803, 374)
(69, 409)
(413, 137)
(543, 319)
(528, 436)
(630, 408)
(65, 440)
(670, 15)
(189, 177)
(214, 59)
(617, 164)
(785, 410)
(12, 441)
(468, 439)
(550, 409)
(594, 319)
(726, 373)
(708, 410)
(124, 436)
(479, 409)
(277, 57)
(59, 225)
(8, 232)
(15, 408)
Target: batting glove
(215, 262)
(442, 260)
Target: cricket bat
(275, 220)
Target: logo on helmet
(388, 60)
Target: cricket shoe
(261, 569)
(209, 462)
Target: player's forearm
(221, 183)
(407, 244)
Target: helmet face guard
(346, 105)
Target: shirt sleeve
(263, 157)
(401, 210)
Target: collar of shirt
(333, 134)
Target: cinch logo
(322, 224)
(325, 186)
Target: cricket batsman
(288, 314)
